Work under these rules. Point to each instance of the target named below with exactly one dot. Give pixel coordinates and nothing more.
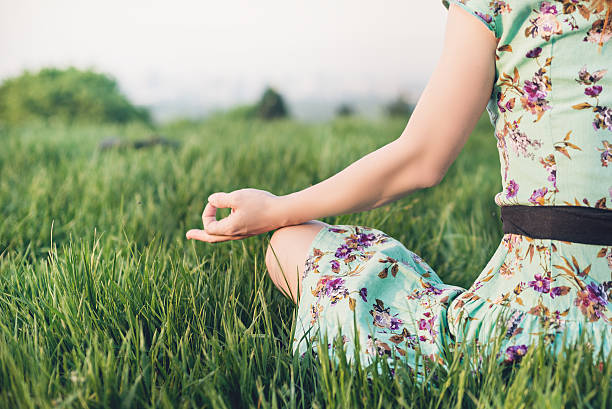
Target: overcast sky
(218, 53)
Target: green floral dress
(551, 107)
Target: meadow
(103, 303)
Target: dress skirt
(364, 290)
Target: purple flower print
(593, 91)
(333, 285)
(515, 353)
(586, 78)
(597, 294)
(364, 294)
(360, 240)
(395, 324)
(335, 266)
(512, 325)
(337, 230)
(309, 265)
(606, 157)
(603, 114)
(592, 301)
(552, 177)
(511, 189)
(556, 292)
(383, 318)
(550, 165)
(607, 119)
(486, 17)
(499, 7)
(537, 197)
(427, 324)
(548, 8)
(343, 251)
(535, 53)
(607, 285)
(546, 24)
(366, 239)
(603, 118)
(377, 347)
(555, 321)
(540, 284)
(508, 106)
(535, 90)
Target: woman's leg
(287, 254)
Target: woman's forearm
(380, 177)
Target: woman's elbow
(431, 177)
(430, 171)
(426, 166)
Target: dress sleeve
(481, 9)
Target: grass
(103, 303)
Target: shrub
(345, 110)
(399, 107)
(271, 105)
(70, 95)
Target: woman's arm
(445, 115)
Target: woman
(541, 69)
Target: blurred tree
(68, 95)
(345, 110)
(271, 105)
(399, 107)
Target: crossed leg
(286, 255)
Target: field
(103, 303)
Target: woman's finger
(212, 226)
(221, 200)
(223, 227)
(209, 214)
(202, 235)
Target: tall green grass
(103, 303)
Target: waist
(587, 225)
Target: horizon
(197, 57)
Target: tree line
(73, 95)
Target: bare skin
(287, 254)
(445, 115)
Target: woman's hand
(253, 212)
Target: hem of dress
(318, 238)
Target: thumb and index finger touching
(214, 228)
(216, 201)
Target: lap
(380, 298)
(367, 289)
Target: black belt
(577, 224)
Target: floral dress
(551, 108)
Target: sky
(189, 57)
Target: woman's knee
(286, 255)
